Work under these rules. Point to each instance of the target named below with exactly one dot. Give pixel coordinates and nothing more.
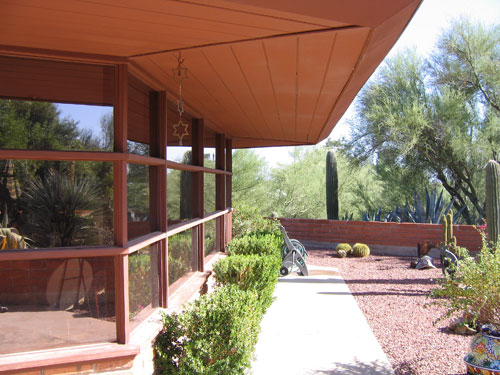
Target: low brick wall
(383, 238)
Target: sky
(423, 31)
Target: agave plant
(347, 217)
(375, 216)
(435, 208)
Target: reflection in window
(56, 302)
(209, 192)
(29, 125)
(180, 196)
(138, 192)
(143, 283)
(181, 259)
(178, 153)
(210, 236)
(53, 204)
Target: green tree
(250, 180)
(298, 189)
(421, 122)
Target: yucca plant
(53, 203)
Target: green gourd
(332, 186)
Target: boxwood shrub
(250, 272)
(215, 335)
(256, 244)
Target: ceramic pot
(484, 355)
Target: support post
(229, 168)
(158, 184)
(229, 191)
(220, 189)
(198, 187)
(120, 201)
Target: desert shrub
(472, 290)
(247, 220)
(256, 244)
(250, 272)
(216, 334)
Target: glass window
(139, 222)
(210, 236)
(29, 125)
(144, 284)
(179, 154)
(180, 196)
(57, 302)
(182, 257)
(54, 204)
(209, 192)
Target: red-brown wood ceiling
(265, 72)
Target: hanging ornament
(180, 74)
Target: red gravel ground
(393, 297)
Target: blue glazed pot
(484, 355)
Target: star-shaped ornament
(180, 73)
(184, 130)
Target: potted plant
(472, 293)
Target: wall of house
(383, 238)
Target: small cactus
(341, 253)
(346, 247)
(444, 223)
(449, 218)
(360, 250)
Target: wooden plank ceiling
(265, 72)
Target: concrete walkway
(316, 327)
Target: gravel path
(393, 297)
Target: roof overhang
(264, 72)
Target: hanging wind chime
(180, 74)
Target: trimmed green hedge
(256, 244)
(215, 335)
(250, 272)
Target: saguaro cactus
(332, 186)
(493, 200)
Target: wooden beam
(198, 188)
(220, 164)
(120, 100)
(40, 53)
(229, 169)
(185, 225)
(193, 168)
(220, 189)
(82, 252)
